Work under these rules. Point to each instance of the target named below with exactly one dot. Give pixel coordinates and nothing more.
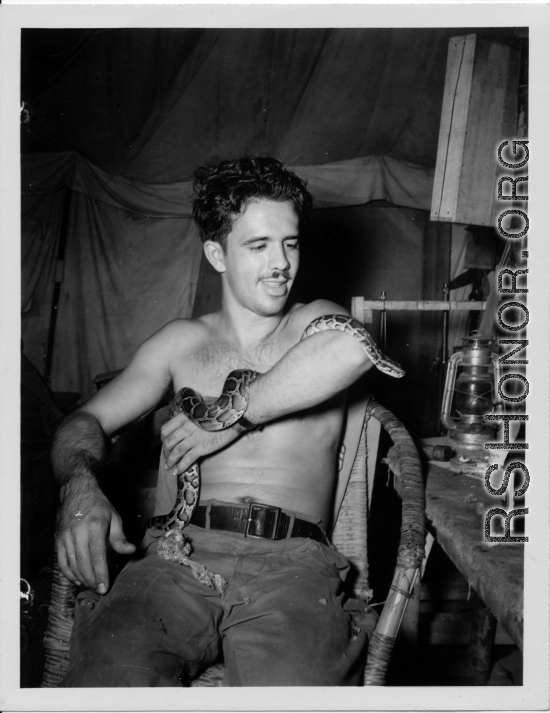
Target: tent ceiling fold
(151, 105)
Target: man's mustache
(276, 274)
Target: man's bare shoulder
(302, 314)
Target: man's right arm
(86, 518)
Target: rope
(378, 659)
(58, 633)
(411, 546)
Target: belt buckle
(252, 519)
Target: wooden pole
(423, 305)
(482, 637)
(442, 372)
(58, 279)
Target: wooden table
(455, 509)
(456, 504)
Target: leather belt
(256, 520)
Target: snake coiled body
(354, 328)
(232, 404)
(222, 413)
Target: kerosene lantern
(471, 393)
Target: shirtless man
(281, 619)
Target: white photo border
(534, 694)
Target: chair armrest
(411, 547)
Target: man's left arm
(310, 373)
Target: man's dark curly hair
(223, 191)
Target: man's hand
(184, 442)
(85, 521)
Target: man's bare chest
(206, 368)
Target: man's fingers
(83, 558)
(63, 562)
(118, 538)
(187, 461)
(122, 546)
(172, 425)
(181, 428)
(184, 430)
(177, 453)
(72, 560)
(98, 556)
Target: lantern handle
(498, 406)
(448, 392)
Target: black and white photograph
(275, 357)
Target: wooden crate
(479, 112)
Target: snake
(231, 405)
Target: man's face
(262, 256)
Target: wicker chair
(350, 538)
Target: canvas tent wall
(122, 117)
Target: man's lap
(280, 619)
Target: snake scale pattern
(222, 413)
(231, 405)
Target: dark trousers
(280, 621)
